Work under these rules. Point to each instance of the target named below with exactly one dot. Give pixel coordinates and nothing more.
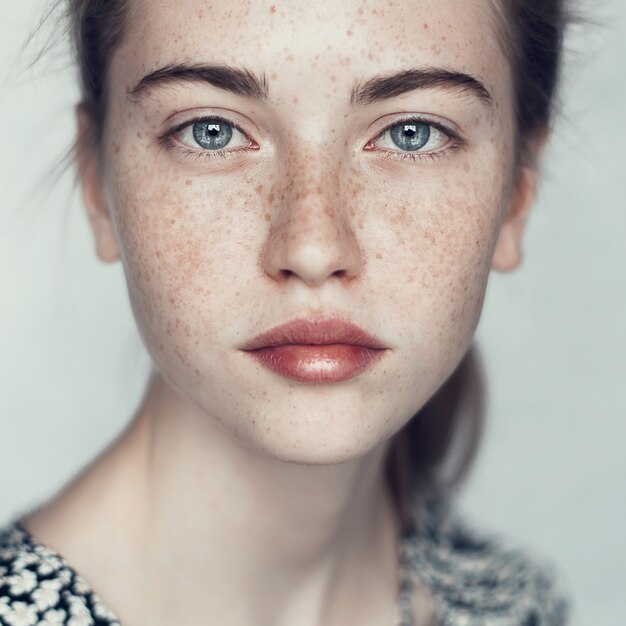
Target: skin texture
(268, 492)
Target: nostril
(284, 273)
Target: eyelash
(226, 153)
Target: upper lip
(315, 332)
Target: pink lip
(328, 350)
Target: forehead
(314, 39)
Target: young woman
(307, 200)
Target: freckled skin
(309, 223)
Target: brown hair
(531, 33)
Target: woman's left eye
(211, 134)
(412, 136)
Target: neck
(284, 543)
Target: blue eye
(410, 136)
(212, 134)
(415, 136)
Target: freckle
(267, 217)
(274, 76)
(258, 188)
(188, 182)
(426, 26)
(271, 198)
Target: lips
(316, 351)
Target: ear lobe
(508, 250)
(507, 255)
(92, 189)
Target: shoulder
(38, 587)
(480, 579)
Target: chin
(306, 432)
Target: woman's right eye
(212, 134)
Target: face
(320, 192)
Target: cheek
(187, 250)
(435, 244)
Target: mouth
(316, 351)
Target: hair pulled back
(531, 33)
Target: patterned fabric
(38, 588)
(474, 580)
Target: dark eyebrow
(385, 87)
(243, 82)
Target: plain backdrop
(551, 475)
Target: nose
(311, 236)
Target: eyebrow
(382, 88)
(244, 82)
(240, 81)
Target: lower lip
(317, 363)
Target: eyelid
(448, 128)
(385, 122)
(205, 112)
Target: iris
(212, 134)
(410, 136)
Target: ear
(92, 189)
(508, 250)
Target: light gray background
(552, 472)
